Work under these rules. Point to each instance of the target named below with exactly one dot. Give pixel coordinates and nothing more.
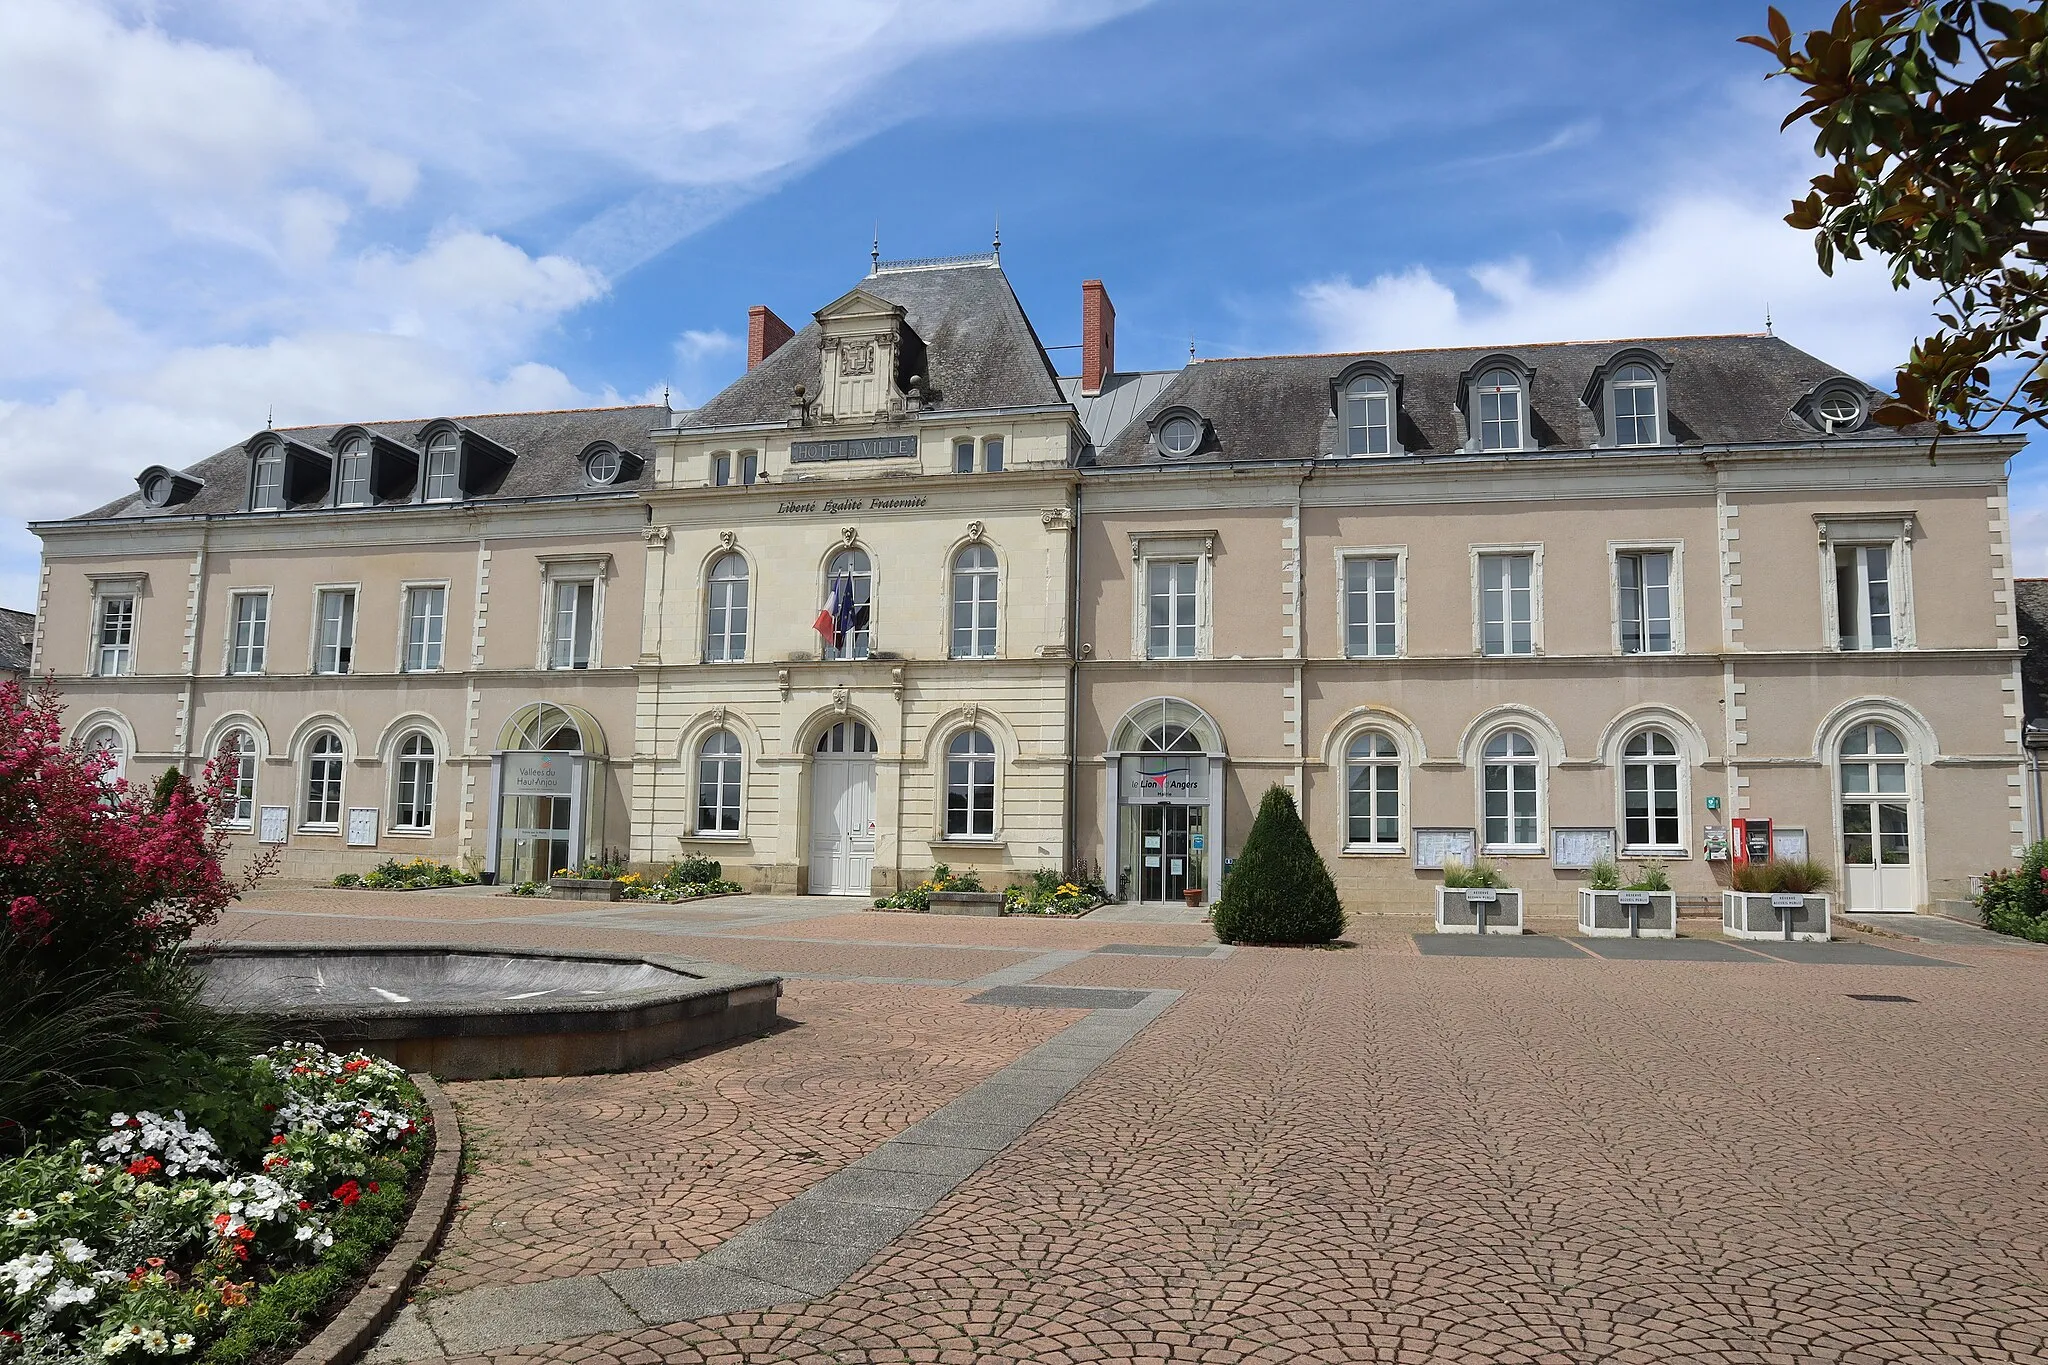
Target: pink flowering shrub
(93, 873)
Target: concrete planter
(1602, 914)
(967, 903)
(585, 888)
(1750, 914)
(1458, 913)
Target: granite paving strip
(807, 1247)
(1026, 971)
(1494, 945)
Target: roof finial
(875, 252)
(664, 397)
(270, 418)
(999, 237)
(1191, 350)
(1767, 320)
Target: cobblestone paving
(1352, 1155)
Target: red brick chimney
(1098, 337)
(765, 334)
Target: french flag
(827, 623)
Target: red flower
(305, 1207)
(246, 1233)
(277, 1141)
(144, 1166)
(241, 1253)
(373, 1187)
(349, 1193)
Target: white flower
(23, 1273)
(183, 1342)
(67, 1197)
(75, 1251)
(91, 1174)
(67, 1293)
(118, 1121)
(21, 1218)
(155, 1342)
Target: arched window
(718, 783)
(266, 480)
(1649, 792)
(238, 757)
(974, 603)
(725, 613)
(1876, 828)
(1372, 779)
(323, 781)
(414, 808)
(352, 473)
(849, 594)
(847, 737)
(1500, 410)
(970, 786)
(1368, 417)
(104, 743)
(1635, 406)
(1169, 737)
(440, 481)
(1509, 777)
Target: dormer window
(266, 480)
(443, 465)
(1368, 417)
(352, 473)
(1635, 406)
(1628, 396)
(161, 487)
(602, 465)
(1179, 436)
(1499, 410)
(1839, 410)
(156, 489)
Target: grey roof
(979, 346)
(1721, 389)
(17, 633)
(2032, 608)
(1123, 397)
(547, 447)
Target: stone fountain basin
(467, 1013)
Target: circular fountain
(466, 1013)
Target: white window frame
(854, 653)
(963, 455)
(454, 451)
(274, 454)
(1896, 532)
(721, 469)
(1679, 759)
(234, 820)
(1481, 390)
(1479, 554)
(698, 829)
(1345, 555)
(123, 746)
(341, 459)
(992, 577)
(302, 798)
(745, 633)
(1542, 767)
(105, 589)
(556, 570)
(1148, 547)
(994, 759)
(400, 762)
(1391, 414)
(321, 593)
(231, 664)
(405, 596)
(1399, 763)
(994, 453)
(749, 468)
(1615, 550)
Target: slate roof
(981, 349)
(17, 633)
(1123, 397)
(1722, 389)
(548, 447)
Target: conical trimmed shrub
(1278, 890)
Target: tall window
(1369, 608)
(1875, 826)
(426, 623)
(1649, 792)
(266, 481)
(992, 455)
(750, 467)
(850, 569)
(105, 744)
(718, 784)
(1507, 604)
(1372, 771)
(1368, 417)
(334, 645)
(1643, 582)
(725, 624)
(1509, 776)
(1170, 609)
(1635, 406)
(114, 651)
(252, 633)
(721, 470)
(974, 603)
(323, 781)
(238, 755)
(414, 806)
(573, 615)
(352, 474)
(970, 786)
(963, 457)
(1863, 596)
(441, 481)
(1500, 411)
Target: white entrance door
(843, 811)
(1879, 853)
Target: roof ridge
(1493, 346)
(473, 416)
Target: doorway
(843, 811)
(1879, 851)
(1170, 838)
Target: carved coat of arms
(858, 358)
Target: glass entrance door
(1167, 850)
(538, 839)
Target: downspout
(1299, 651)
(1071, 854)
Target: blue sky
(211, 211)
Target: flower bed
(418, 875)
(919, 898)
(1049, 893)
(157, 1240)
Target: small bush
(1601, 876)
(1802, 876)
(1278, 890)
(1654, 875)
(1479, 873)
(694, 869)
(2015, 900)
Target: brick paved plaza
(1354, 1154)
